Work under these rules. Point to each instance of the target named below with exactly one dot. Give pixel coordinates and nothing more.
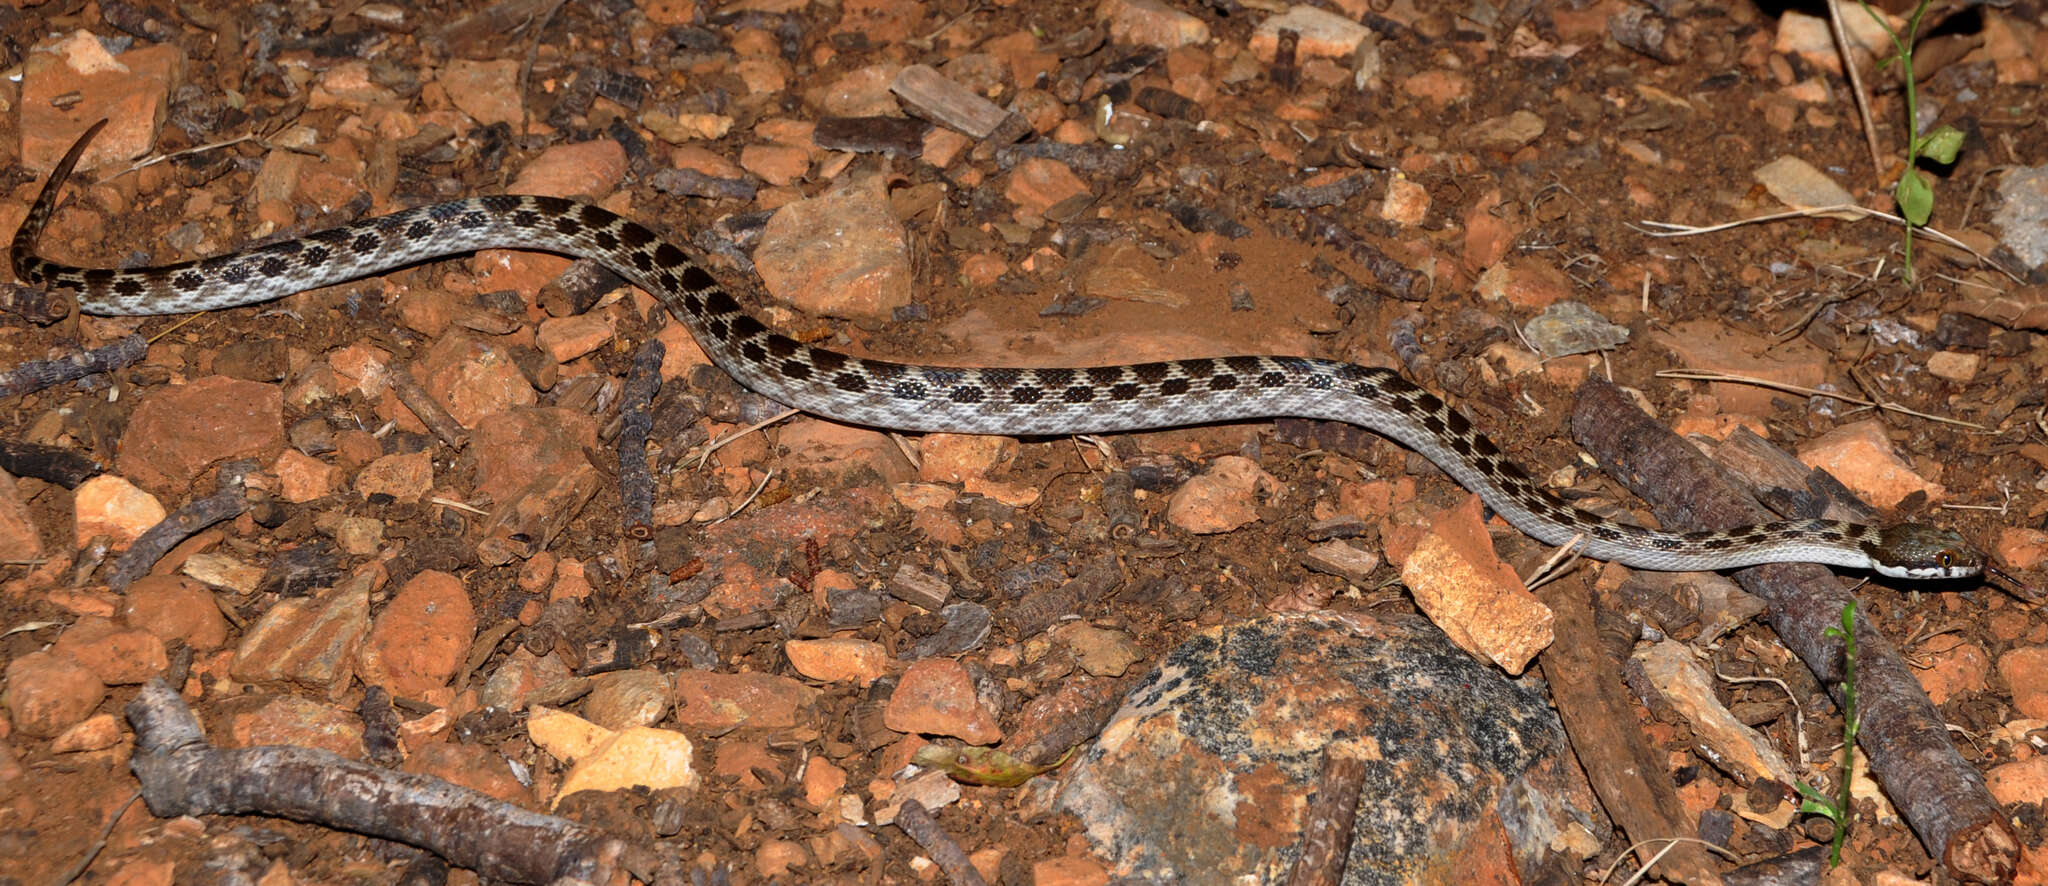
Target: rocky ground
(424, 558)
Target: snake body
(972, 400)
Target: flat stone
(178, 431)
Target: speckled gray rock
(2022, 219)
(1203, 776)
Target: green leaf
(1816, 807)
(1942, 145)
(1916, 200)
(1812, 795)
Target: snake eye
(1946, 559)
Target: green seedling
(1915, 191)
(1837, 808)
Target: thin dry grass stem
(1109, 460)
(909, 450)
(1559, 563)
(154, 159)
(99, 843)
(1670, 843)
(1799, 325)
(1673, 229)
(1847, 53)
(749, 499)
(1969, 283)
(30, 626)
(2003, 507)
(721, 442)
(1798, 715)
(458, 505)
(1706, 375)
(174, 327)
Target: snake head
(1913, 550)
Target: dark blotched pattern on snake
(971, 400)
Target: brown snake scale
(975, 400)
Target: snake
(1011, 401)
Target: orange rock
(882, 22)
(776, 164)
(485, 90)
(940, 527)
(2021, 783)
(571, 582)
(719, 702)
(1440, 88)
(1525, 282)
(347, 86)
(302, 722)
(2025, 672)
(952, 458)
(302, 478)
(743, 761)
(111, 506)
(822, 780)
(473, 766)
(47, 693)
(830, 449)
(1714, 346)
(936, 697)
(637, 757)
(1222, 498)
(1861, 456)
(308, 640)
(584, 169)
(175, 608)
(472, 379)
(862, 92)
(1069, 870)
(567, 338)
(1487, 234)
(1322, 34)
(774, 859)
(1406, 203)
(514, 447)
(624, 699)
(130, 90)
(420, 638)
(838, 660)
(117, 655)
(1477, 600)
(1957, 670)
(1151, 23)
(95, 733)
(19, 536)
(405, 477)
(942, 146)
(516, 677)
(178, 431)
(842, 253)
(2021, 549)
(1037, 184)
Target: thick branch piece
(183, 775)
(1327, 822)
(636, 478)
(229, 501)
(1941, 795)
(945, 852)
(36, 375)
(1627, 775)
